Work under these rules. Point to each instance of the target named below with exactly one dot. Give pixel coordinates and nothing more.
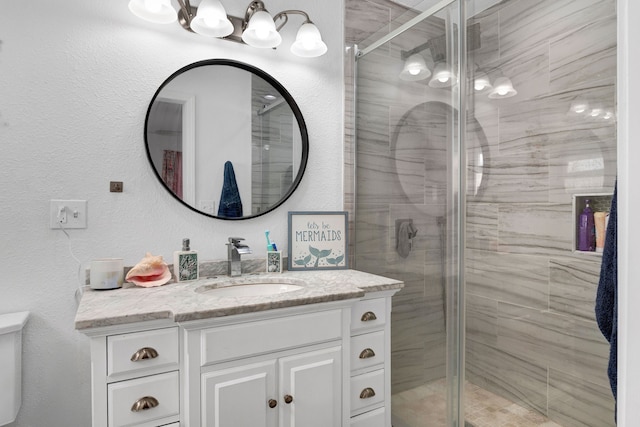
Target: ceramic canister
(106, 273)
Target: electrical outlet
(68, 214)
(115, 186)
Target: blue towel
(230, 204)
(607, 297)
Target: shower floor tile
(425, 406)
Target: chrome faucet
(234, 250)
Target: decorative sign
(318, 241)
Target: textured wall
(76, 80)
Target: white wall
(76, 78)
(628, 209)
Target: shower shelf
(600, 202)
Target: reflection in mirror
(226, 139)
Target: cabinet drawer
(368, 313)
(367, 350)
(248, 339)
(375, 418)
(161, 391)
(367, 390)
(140, 351)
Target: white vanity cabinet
(299, 390)
(320, 364)
(281, 368)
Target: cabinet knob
(144, 353)
(273, 403)
(288, 398)
(367, 353)
(368, 316)
(367, 393)
(144, 403)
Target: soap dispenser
(185, 263)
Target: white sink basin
(249, 289)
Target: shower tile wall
(531, 331)
(402, 148)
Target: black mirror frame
(285, 94)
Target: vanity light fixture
(156, 11)
(257, 28)
(442, 76)
(502, 88)
(417, 67)
(481, 82)
(579, 106)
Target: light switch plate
(68, 214)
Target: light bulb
(442, 76)
(413, 69)
(308, 42)
(503, 89)
(482, 82)
(211, 20)
(156, 11)
(261, 31)
(153, 6)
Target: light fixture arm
(257, 5)
(186, 14)
(253, 7)
(285, 15)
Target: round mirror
(226, 139)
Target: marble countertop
(185, 301)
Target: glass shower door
(408, 204)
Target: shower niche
(600, 205)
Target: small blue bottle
(587, 229)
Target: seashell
(149, 272)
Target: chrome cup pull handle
(368, 316)
(367, 353)
(144, 404)
(144, 353)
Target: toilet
(11, 365)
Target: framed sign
(318, 241)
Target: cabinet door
(240, 396)
(311, 383)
